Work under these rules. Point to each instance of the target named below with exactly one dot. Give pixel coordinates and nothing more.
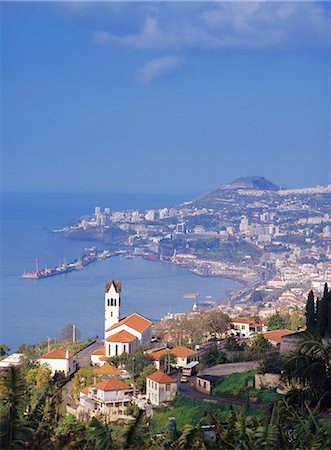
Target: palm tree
(133, 434)
(309, 371)
(15, 430)
(100, 436)
(192, 437)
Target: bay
(32, 310)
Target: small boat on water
(191, 295)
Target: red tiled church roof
(121, 336)
(135, 321)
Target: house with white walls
(183, 355)
(160, 388)
(109, 397)
(245, 327)
(59, 360)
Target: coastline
(106, 254)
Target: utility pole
(73, 332)
(48, 343)
(133, 385)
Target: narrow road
(83, 359)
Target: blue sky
(172, 96)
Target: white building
(160, 388)
(108, 397)
(243, 226)
(245, 327)
(182, 354)
(14, 359)
(59, 361)
(127, 334)
(121, 335)
(150, 215)
(163, 213)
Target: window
(114, 301)
(124, 348)
(111, 314)
(116, 350)
(109, 349)
(111, 302)
(167, 387)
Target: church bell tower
(112, 303)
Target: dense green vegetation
(236, 385)
(318, 314)
(134, 363)
(231, 351)
(35, 351)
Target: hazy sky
(165, 96)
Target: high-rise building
(243, 227)
(150, 215)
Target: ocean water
(32, 310)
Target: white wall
(112, 313)
(158, 393)
(59, 365)
(128, 347)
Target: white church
(121, 335)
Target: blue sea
(32, 310)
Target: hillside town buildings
(272, 239)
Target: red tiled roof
(160, 377)
(112, 384)
(182, 352)
(276, 335)
(158, 353)
(135, 321)
(57, 353)
(179, 352)
(106, 369)
(245, 320)
(121, 336)
(99, 351)
(85, 389)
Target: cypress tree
(322, 312)
(319, 318)
(310, 313)
(325, 291)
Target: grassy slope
(189, 411)
(236, 385)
